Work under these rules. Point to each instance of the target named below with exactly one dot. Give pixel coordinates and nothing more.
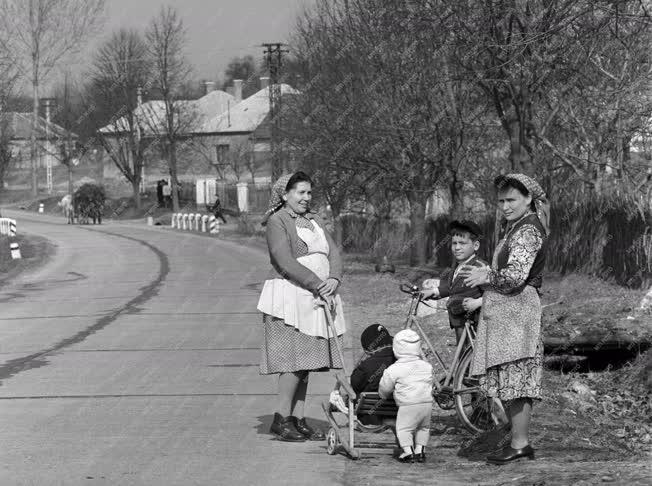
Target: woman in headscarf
(508, 350)
(306, 269)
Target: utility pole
(139, 102)
(274, 58)
(47, 102)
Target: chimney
(264, 82)
(139, 95)
(209, 86)
(237, 90)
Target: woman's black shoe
(306, 430)
(283, 428)
(420, 456)
(509, 454)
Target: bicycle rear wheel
(472, 405)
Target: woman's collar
(307, 214)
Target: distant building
(223, 136)
(240, 137)
(17, 128)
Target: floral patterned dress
(508, 352)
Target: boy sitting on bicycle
(463, 301)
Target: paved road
(131, 358)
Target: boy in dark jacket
(463, 302)
(377, 345)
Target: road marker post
(15, 251)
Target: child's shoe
(406, 457)
(420, 456)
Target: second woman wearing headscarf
(508, 349)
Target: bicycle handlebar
(409, 288)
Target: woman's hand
(328, 287)
(470, 304)
(476, 276)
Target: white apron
(297, 306)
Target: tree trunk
(418, 255)
(172, 164)
(457, 198)
(135, 189)
(33, 148)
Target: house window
(221, 153)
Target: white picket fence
(7, 226)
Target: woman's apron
(297, 306)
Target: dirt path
(572, 448)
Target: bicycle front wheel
(472, 405)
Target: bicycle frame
(469, 335)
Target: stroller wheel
(332, 442)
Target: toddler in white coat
(410, 379)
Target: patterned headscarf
(276, 199)
(539, 197)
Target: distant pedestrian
(216, 209)
(167, 194)
(159, 193)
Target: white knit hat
(406, 343)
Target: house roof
(246, 116)
(19, 126)
(151, 115)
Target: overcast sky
(218, 30)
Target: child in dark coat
(377, 345)
(463, 301)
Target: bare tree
(166, 40)
(40, 33)
(121, 68)
(378, 102)
(8, 78)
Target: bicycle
(457, 389)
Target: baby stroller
(368, 403)
(457, 390)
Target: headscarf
(539, 198)
(276, 198)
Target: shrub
(89, 202)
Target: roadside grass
(35, 252)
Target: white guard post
(204, 220)
(197, 222)
(213, 225)
(15, 251)
(173, 221)
(40, 208)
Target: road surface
(132, 358)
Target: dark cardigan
(282, 240)
(456, 291)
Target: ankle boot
(283, 428)
(307, 431)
